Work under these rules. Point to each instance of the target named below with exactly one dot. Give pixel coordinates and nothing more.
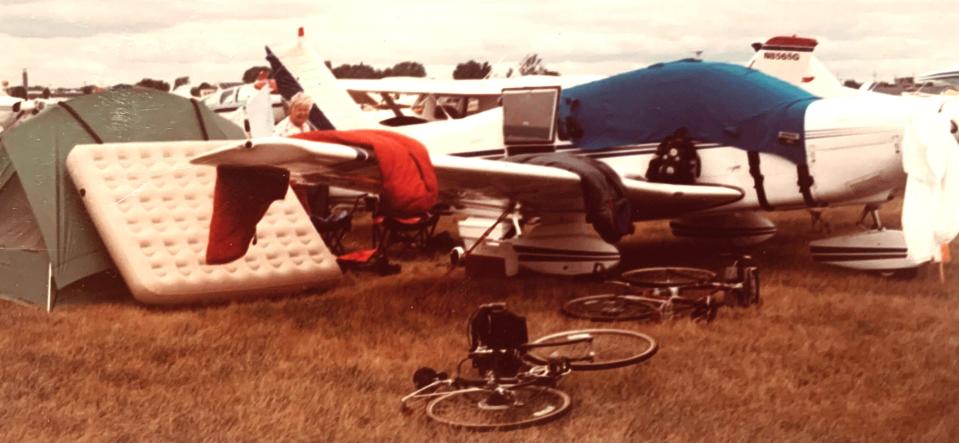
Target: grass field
(831, 355)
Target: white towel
(930, 212)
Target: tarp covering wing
(717, 102)
(604, 196)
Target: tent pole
(50, 287)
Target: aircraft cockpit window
(225, 96)
(472, 105)
(529, 115)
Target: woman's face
(299, 114)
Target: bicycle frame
(665, 299)
(541, 375)
(544, 375)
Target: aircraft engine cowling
(733, 230)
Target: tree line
(531, 64)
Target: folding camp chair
(333, 227)
(410, 231)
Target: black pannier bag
(675, 161)
(502, 333)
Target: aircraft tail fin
(792, 59)
(299, 69)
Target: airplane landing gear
(819, 223)
(872, 211)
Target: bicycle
(656, 294)
(517, 383)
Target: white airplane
(14, 110)
(435, 99)
(949, 76)
(229, 102)
(763, 145)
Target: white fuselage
(852, 150)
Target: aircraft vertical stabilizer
(791, 59)
(298, 68)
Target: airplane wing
(537, 188)
(475, 87)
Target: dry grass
(832, 355)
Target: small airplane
(14, 110)
(763, 145)
(229, 102)
(949, 76)
(442, 99)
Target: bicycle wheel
(667, 277)
(610, 307)
(484, 409)
(608, 349)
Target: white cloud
(108, 41)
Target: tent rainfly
(47, 240)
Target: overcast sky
(75, 42)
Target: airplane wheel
(456, 256)
(901, 274)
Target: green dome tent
(47, 240)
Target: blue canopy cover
(717, 103)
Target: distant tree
(357, 71)
(155, 84)
(406, 69)
(472, 69)
(46, 93)
(180, 81)
(195, 91)
(250, 75)
(362, 70)
(533, 65)
(328, 64)
(18, 91)
(88, 89)
(120, 86)
(851, 84)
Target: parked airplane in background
(763, 144)
(948, 76)
(442, 99)
(13, 110)
(229, 102)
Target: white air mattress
(152, 209)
